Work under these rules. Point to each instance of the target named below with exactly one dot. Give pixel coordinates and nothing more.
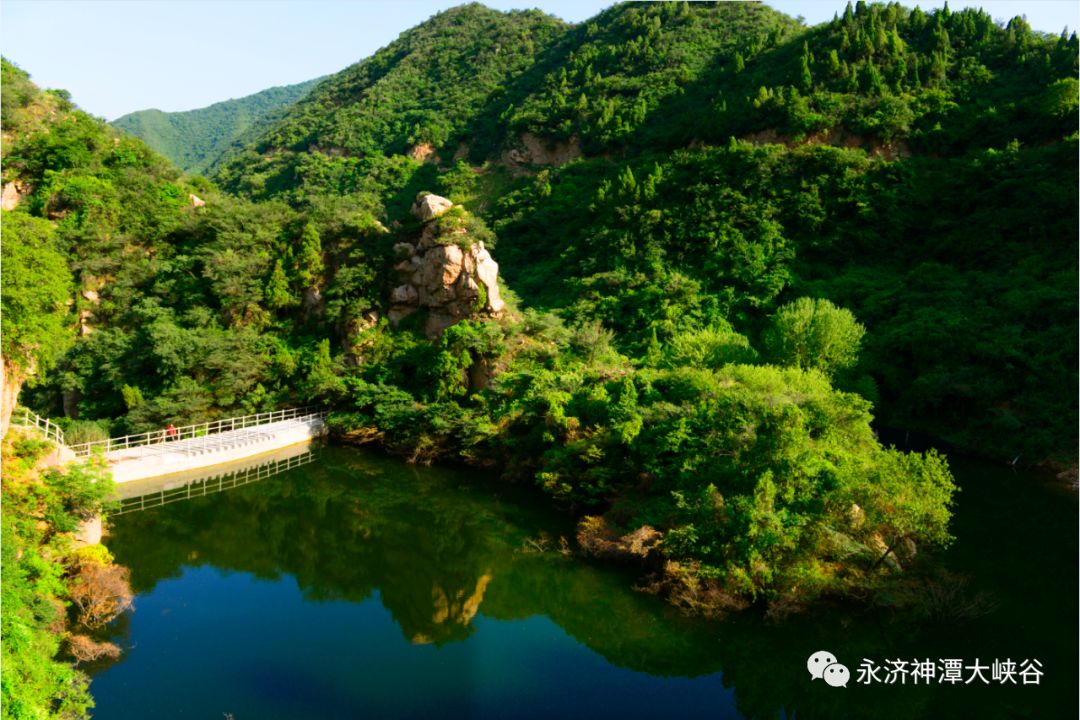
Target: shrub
(100, 593)
(711, 347)
(85, 649)
(77, 432)
(814, 333)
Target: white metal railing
(187, 432)
(23, 417)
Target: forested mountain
(351, 135)
(915, 167)
(727, 244)
(196, 139)
(167, 293)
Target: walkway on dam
(193, 447)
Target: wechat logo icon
(823, 666)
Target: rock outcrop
(445, 272)
(12, 194)
(424, 152)
(534, 150)
(12, 381)
(428, 206)
(92, 296)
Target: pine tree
(309, 261)
(806, 80)
(872, 82)
(277, 289)
(834, 63)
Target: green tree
(1060, 98)
(36, 292)
(906, 497)
(814, 333)
(309, 261)
(322, 382)
(38, 512)
(277, 289)
(711, 347)
(806, 80)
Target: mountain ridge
(195, 140)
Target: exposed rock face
(11, 196)
(480, 374)
(312, 299)
(9, 392)
(445, 273)
(424, 152)
(196, 201)
(356, 341)
(89, 532)
(428, 206)
(835, 137)
(91, 292)
(404, 295)
(534, 150)
(85, 326)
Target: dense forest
(195, 140)
(914, 167)
(735, 252)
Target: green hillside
(196, 139)
(733, 254)
(351, 134)
(161, 288)
(726, 160)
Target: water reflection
(447, 553)
(437, 551)
(154, 492)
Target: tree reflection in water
(442, 548)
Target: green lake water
(357, 586)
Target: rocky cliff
(447, 272)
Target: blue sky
(117, 56)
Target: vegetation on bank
(56, 597)
(761, 482)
